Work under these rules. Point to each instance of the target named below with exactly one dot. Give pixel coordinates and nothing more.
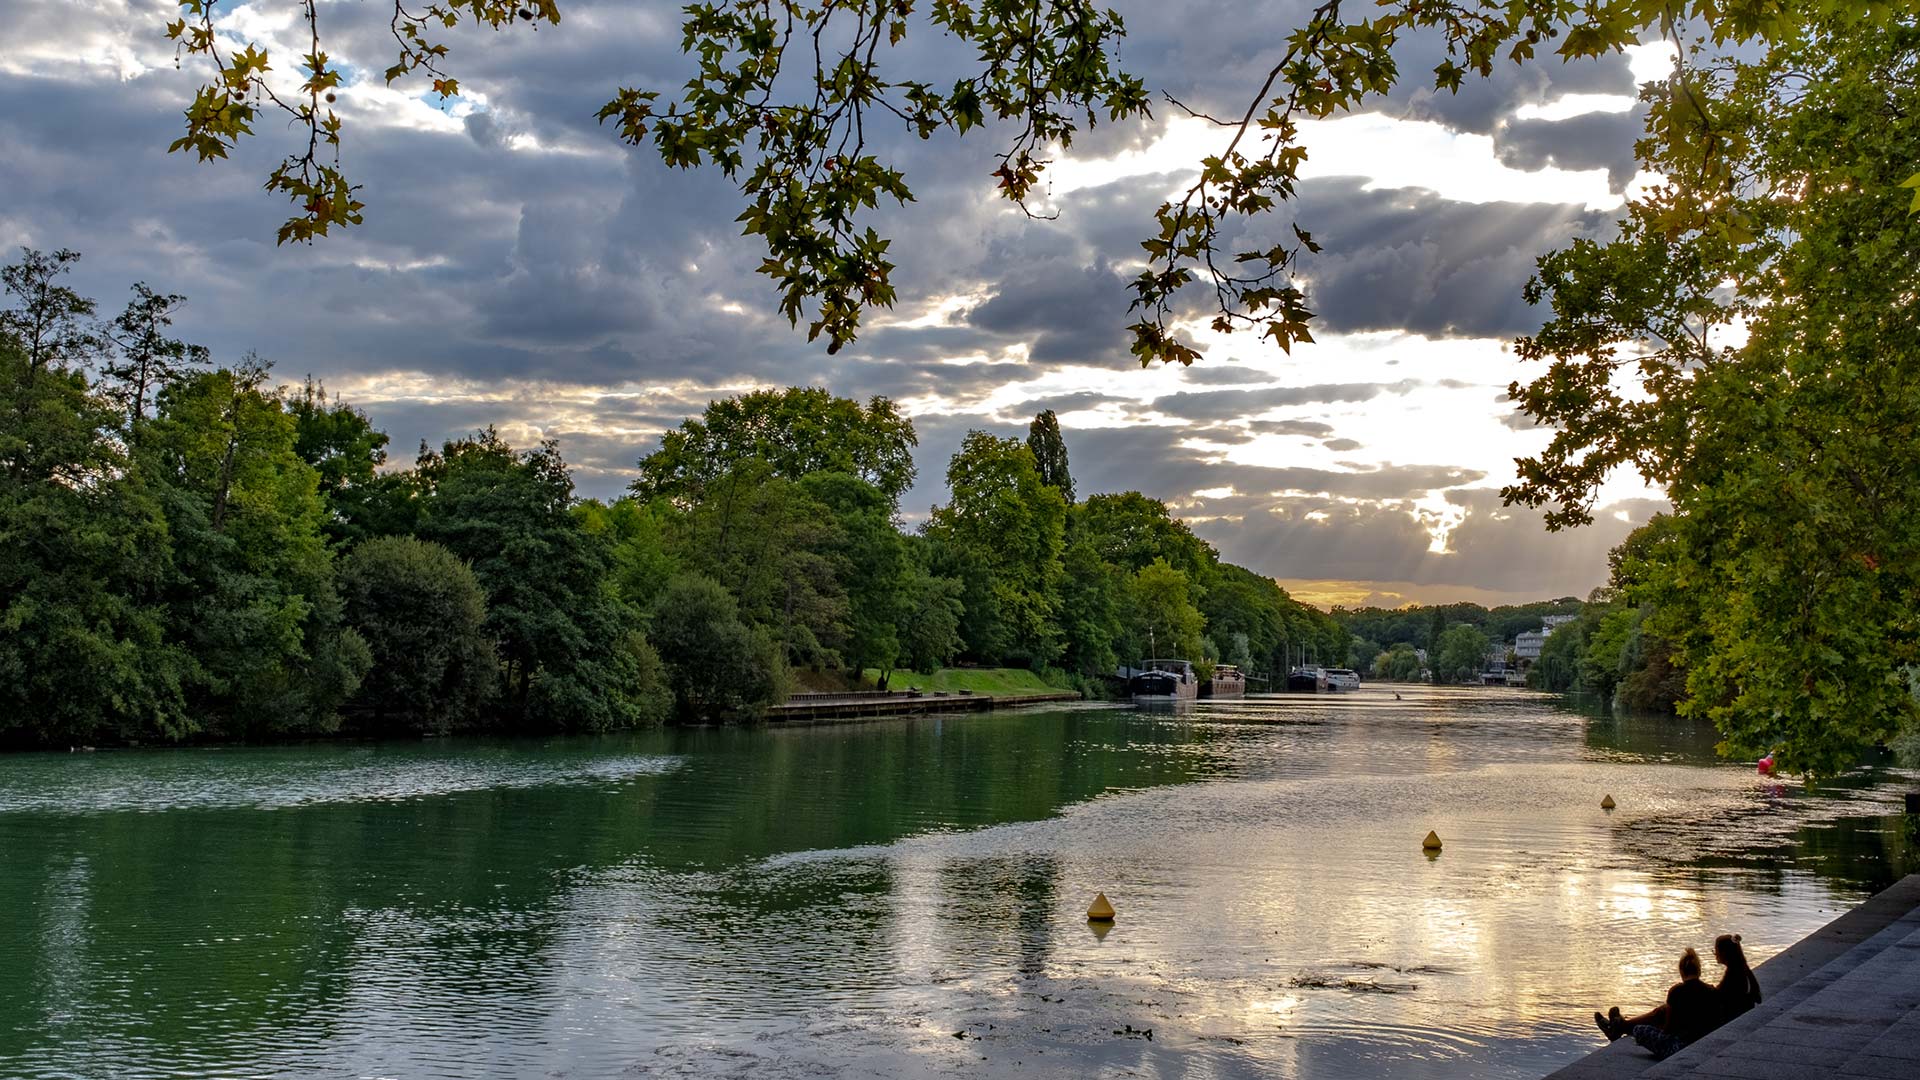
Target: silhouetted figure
(1739, 988)
(1693, 1008)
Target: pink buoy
(1766, 765)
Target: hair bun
(1736, 939)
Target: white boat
(1342, 679)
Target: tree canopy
(791, 432)
(1749, 342)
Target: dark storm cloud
(1309, 428)
(1227, 404)
(1481, 104)
(1070, 315)
(1594, 140)
(1411, 260)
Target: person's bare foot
(1605, 1025)
(1619, 1022)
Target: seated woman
(1739, 988)
(1693, 1008)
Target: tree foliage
(1013, 527)
(564, 638)
(49, 323)
(1459, 656)
(1050, 453)
(1749, 342)
(790, 433)
(85, 653)
(423, 615)
(255, 602)
(144, 358)
(717, 666)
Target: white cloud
(1389, 152)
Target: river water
(907, 898)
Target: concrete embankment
(1843, 1002)
(877, 704)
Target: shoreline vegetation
(190, 553)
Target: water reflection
(908, 898)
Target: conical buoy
(1100, 910)
(1607, 803)
(1432, 842)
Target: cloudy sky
(519, 267)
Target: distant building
(1527, 645)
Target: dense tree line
(1613, 647)
(1387, 642)
(190, 552)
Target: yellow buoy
(1432, 842)
(1607, 803)
(1100, 910)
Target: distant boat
(1310, 680)
(1164, 680)
(1227, 682)
(1342, 679)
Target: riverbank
(913, 693)
(1843, 1001)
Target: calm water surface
(906, 898)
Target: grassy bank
(978, 680)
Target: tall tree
(570, 650)
(873, 565)
(930, 618)
(144, 358)
(85, 553)
(1011, 525)
(1460, 656)
(51, 324)
(1050, 452)
(792, 432)
(1131, 530)
(777, 550)
(718, 667)
(1092, 594)
(1161, 616)
(347, 451)
(254, 600)
(640, 538)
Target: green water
(843, 900)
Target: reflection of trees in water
(1826, 837)
(1645, 736)
(212, 931)
(999, 909)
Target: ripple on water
(276, 779)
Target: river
(906, 898)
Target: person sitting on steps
(1739, 988)
(1692, 1010)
